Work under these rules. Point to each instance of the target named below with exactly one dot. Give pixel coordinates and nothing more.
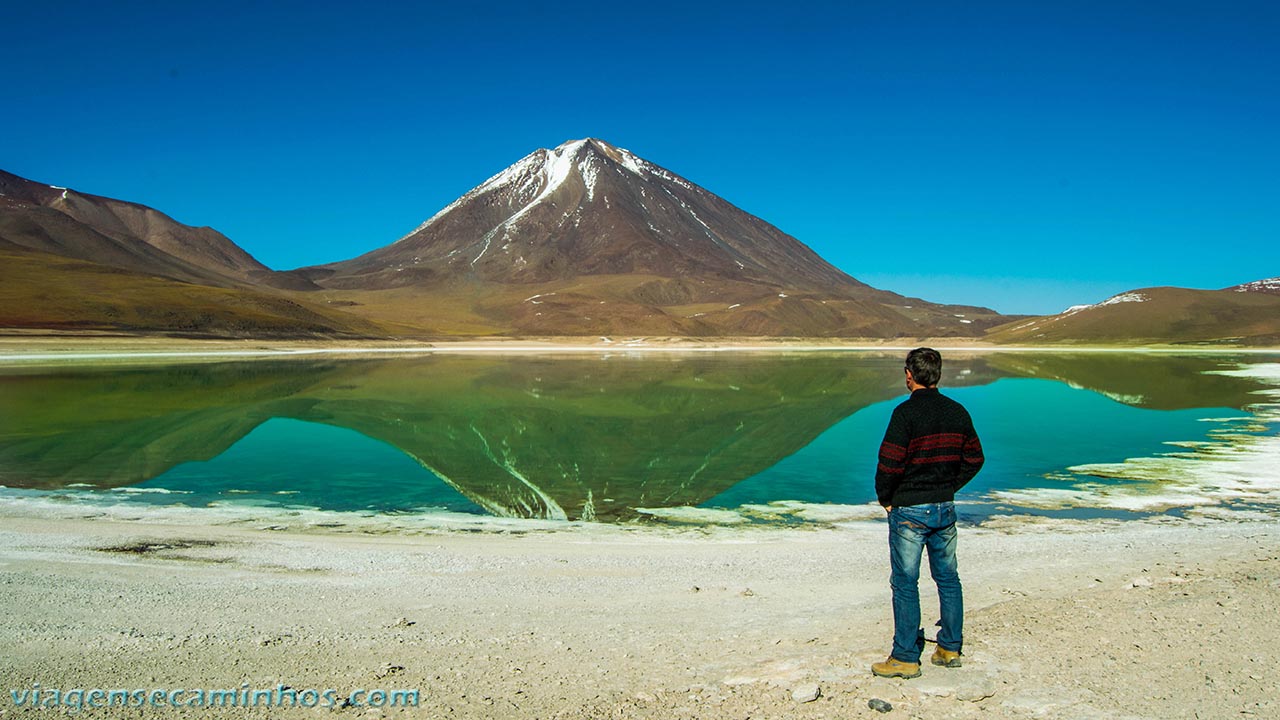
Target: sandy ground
(1168, 618)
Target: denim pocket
(948, 514)
(914, 517)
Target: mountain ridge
(124, 234)
(583, 239)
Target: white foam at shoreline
(61, 504)
(700, 516)
(814, 512)
(80, 503)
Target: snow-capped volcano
(589, 208)
(589, 238)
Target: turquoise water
(292, 462)
(1029, 429)
(572, 437)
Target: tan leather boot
(945, 658)
(894, 667)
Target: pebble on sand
(879, 705)
(806, 693)
(976, 691)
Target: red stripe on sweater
(893, 452)
(933, 459)
(944, 440)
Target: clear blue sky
(1022, 155)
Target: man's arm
(971, 458)
(893, 458)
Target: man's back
(930, 450)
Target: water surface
(581, 438)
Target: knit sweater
(930, 451)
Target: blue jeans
(911, 529)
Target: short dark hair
(925, 365)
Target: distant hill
(71, 260)
(588, 238)
(1246, 314)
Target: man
(930, 451)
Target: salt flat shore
(44, 349)
(1160, 618)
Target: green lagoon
(752, 437)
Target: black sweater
(929, 451)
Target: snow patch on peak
(571, 145)
(644, 168)
(633, 163)
(589, 171)
(1270, 285)
(552, 166)
(538, 174)
(1124, 298)
(1113, 300)
(556, 166)
(521, 169)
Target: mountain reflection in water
(545, 437)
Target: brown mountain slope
(589, 238)
(1157, 315)
(70, 260)
(45, 291)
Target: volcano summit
(589, 238)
